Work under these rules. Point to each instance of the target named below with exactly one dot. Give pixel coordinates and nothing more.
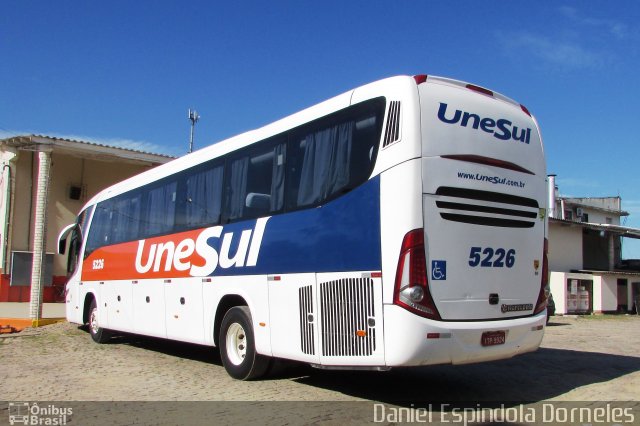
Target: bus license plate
(492, 338)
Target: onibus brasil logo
(27, 413)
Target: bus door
(71, 237)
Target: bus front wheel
(98, 334)
(238, 347)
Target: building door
(636, 296)
(623, 305)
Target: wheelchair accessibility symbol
(438, 270)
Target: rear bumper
(407, 344)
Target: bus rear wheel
(238, 348)
(98, 334)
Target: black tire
(98, 334)
(238, 347)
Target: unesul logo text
(170, 256)
(502, 128)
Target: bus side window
(99, 233)
(364, 152)
(333, 155)
(125, 220)
(157, 213)
(255, 182)
(75, 241)
(326, 164)
(201, 197)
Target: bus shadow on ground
(178, 349)
(279, 369)
(557, 324)
(541, 375)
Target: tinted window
(255, 181)
(125, 218)
(202, 197)
(75, 242)
(158, 210)
(301, 168)
(333, 155)
(99, 232)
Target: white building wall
(594, 208)
(565, 248)
(92, 175)
(597, 216)
(598, 284)
(605, 297)
(605, 289)
(557, 284)
(8, 159)
(23, 202)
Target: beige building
(588, 274)
(44, 183)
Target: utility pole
(193, 117)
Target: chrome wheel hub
(236, 344)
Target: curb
(18, 324)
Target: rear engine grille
(392, 132)
(305, 300)
(506, 210)
(348, 317)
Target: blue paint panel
(343, 235)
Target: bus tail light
(420, 78)
(543, 296)
(480, 89)
(412, 287)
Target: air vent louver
(392, 132)
(486, 208)
(305, 299)
(348, 317)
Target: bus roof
(236, 142)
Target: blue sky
(125, 72)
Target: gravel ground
(581, 359)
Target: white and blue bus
(399, 224)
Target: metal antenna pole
(193, 117)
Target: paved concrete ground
(580, 359)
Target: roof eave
(32, 142)
(622, 231)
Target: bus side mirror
(62, 246)
(62, 238)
